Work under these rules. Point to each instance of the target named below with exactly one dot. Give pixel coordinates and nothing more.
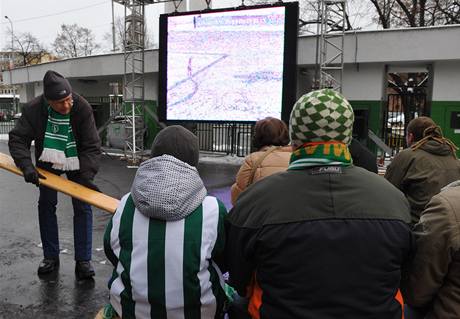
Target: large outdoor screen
(228, 65)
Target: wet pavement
(25, 295)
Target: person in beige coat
(432, 286)
(271, 138)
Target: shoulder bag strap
(259, 161)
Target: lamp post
(12, 64)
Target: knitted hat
(179, 142)
(55, 86)
(321, 116)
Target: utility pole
(113, 28)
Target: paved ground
(22, 293)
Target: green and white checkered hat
(321, 116)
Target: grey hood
(167, 188)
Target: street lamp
(12, 34)
(11, 64)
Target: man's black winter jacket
(32, 125)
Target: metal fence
(400, 110)
(229, 138)
(6, 127)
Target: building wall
(366, 56)
(363, 81)
(446, 82)
(99, 88)
(151, 86)
(94, 87)
(390, 46)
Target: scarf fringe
(59, 160)
(72, 164)
(53, 156)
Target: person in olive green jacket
(433, 283)
(428, 164)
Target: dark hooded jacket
(420, 174)
(324, 242)
(32, 125)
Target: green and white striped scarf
(59, 145)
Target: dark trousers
(82, 225)
(239, 308)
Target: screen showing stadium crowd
(225, 66)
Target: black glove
(31, 175)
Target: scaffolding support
(133, 106)
(133, 79)
(331, 32)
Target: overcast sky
(43, 18)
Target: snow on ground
(208, 157)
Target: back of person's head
(270, 131)
(179, 142)
(418, 126)
(321, 116)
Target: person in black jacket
(325, 239)
(362, 157)
(61, 123)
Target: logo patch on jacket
(326, 170)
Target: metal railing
(6, 127)
(400, 110)
(229, 138)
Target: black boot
(84, 270)
(48, 265)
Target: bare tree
(355, 17)
(27, 49)
(75, 41)
(416, 13)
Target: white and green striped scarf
(165, 269)
(59, 145)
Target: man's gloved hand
(31, 175)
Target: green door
(451, 127)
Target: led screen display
(227, 65)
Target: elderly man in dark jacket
(61, 124)
(427, 165)
(325, 239)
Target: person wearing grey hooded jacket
(166, 239)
